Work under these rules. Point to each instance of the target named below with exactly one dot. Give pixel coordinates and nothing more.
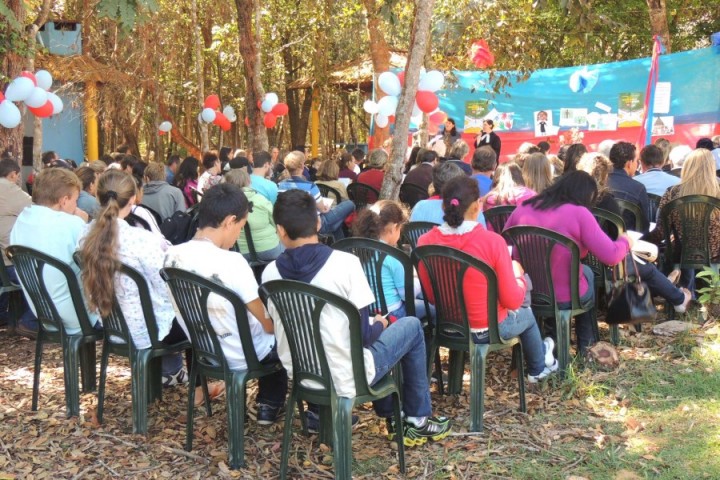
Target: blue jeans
(332, 221)
(404, 342)
(267, 255)
(419, 311)
(583, 322)
(27, 317)
(656, 281)
(521, 323)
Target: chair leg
(438, 369)
(397, 407)
(140, 383)
(342, 437)
(326, 425)
(86, 357)
(36, 373)
(103, 378)
(70, 372)
(456, 372)
(154, 373)
(614, 334)
(478, 359)
(235, 401)
(520, 365)
(287, 432)
(206, 394)
(433, 354)
(563, 341)
(191, 407)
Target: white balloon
(165, 126)
(231, 117)
(389, 83)
(267, 105)
(432, 81)
(416, 112)
(381, 120)
(19, 89)
(208, 115)
(44, 79)
(37, 98)
(9, 114)
(370, 107)
(57, 103)
(272, 98)
(387, 105)
(228, 111)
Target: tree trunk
(200, 72)
(10, 66)
(659, 23)
(32, 31)
(416, 53)
(252, 68)
(380, 55)
(299, 111)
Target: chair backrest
(30, 266)
(191, 293)
(496, 217)
(632, 215)
(298, 306)
(686, 225)
(362, 194)
(653, 204)
(413, 230)
(412, 194)
(536, 249)
(613, 225)
(372, 255)
(446, 268)
(329, 192)
(114, 323)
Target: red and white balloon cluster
(425, 99)
(212, 114)
(273, 109)
(33, 90)
(164, 128)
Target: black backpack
(181, 227)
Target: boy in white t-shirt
(385, 345)
(221, 217)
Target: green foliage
(710, 294)
(127, 13)
(12, 38)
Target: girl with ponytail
(108, 241)
(461, 204)
(384, 221)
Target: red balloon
(29, 75)
(433, 129)
(270, 120)
(2, 97)
(259, 104)
(426, 101)
(438, 117)
(161, 133)
(247, 122)
(212, 101)
(481, 55)
(44, 111)
(280, 109)
(219, 118)
(401, 77)
(391, 119)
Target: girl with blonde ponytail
(108, 241)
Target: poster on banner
(663, 126)
(544, 123)
(475, 112)
(573, 117)
(602, 122)
(662, 97)
(630, 109)
(503, 121)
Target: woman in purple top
(508, 187)
(564, 207)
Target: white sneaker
(549, 346)
(536, 378)
(683, 306)
(553, 368)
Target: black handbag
(630, 302)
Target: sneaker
(24, 331)
(549, 347)
(435, 429)
(544, 374)
(178, 378)
(683, 306)
(267, 414)
(313, 421)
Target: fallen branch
(82, 474)
(115, 474)
(124, 442)
(192, 456)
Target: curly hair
(372, 221)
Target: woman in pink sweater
(461, 204)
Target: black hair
(8, 166)
(621, 153)
(572, 157)
(459, 193)
(225, 154)
(260, 158)
(489, 122)
(453, 130)
(705, 143)
(652, 156)
(188, 170)
(371, 222)
(484, 159)
(128, 161)
(209, 159)
(48, 157)
(562, 152)
(172, 159)
(428, 156)
(576, 188)
(358, 154)
(442, 173)
(221, 201)
(544, 146)
(124, 148)
(296, 212)
(138, 169)
(412, 159)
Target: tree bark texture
(11, 65)
(380, 55)
(200, 72)
(416, 54)
(658, 22)
(298, 110)
(254, 92)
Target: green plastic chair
(411, 231)
(79, 349)
(686, 226)
(145, 363)
(298, 306)
(496, 217)
(632, 214)
(446, 267)
(362, 195)
(410, 194)
(15, 297)
(653, 204)
(534, 247)
(191, 293)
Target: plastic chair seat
(496, 217)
